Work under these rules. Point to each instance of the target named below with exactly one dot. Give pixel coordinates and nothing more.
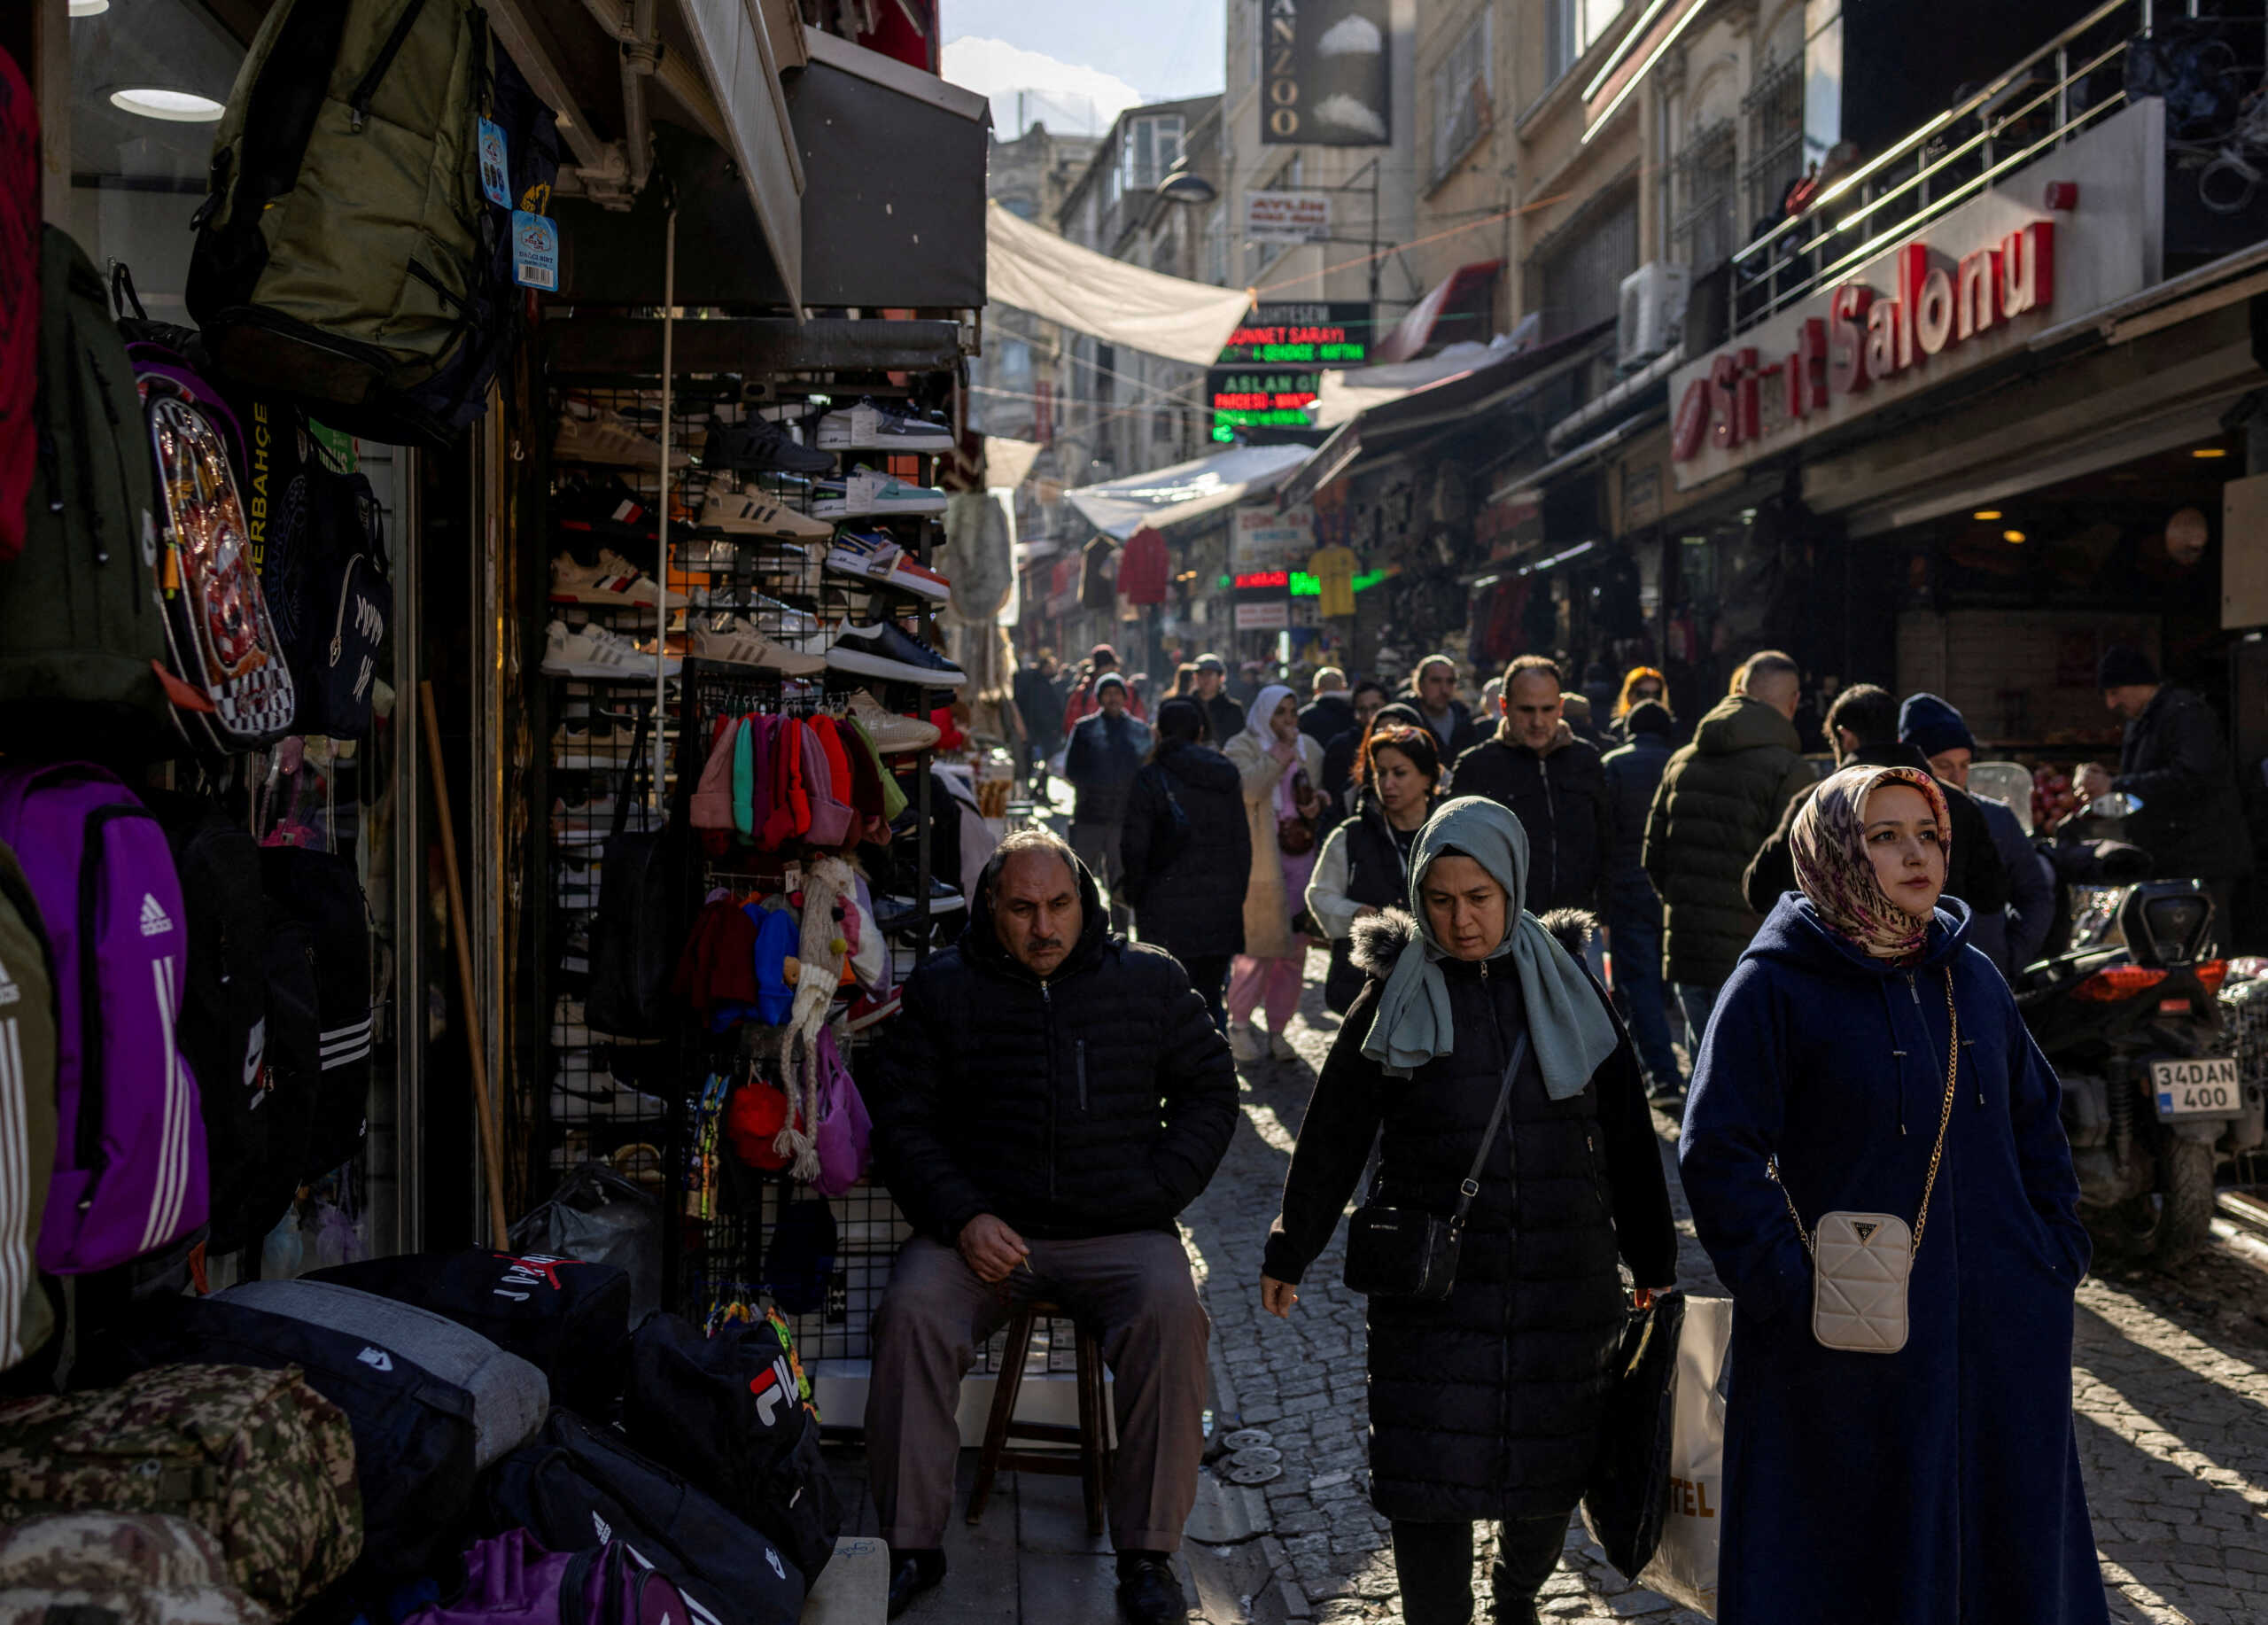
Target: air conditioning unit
(1653, 312)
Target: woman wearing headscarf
(1943, 1470)
(1485, 1404)
(1365, 866)
(1281, 768)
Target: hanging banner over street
(1286, 217)
(1323, 74)
(1032, 268)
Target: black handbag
(1628, 1494)
(1407, 1252)
(642, 912)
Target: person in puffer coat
(1190, 902)
(1048, 1101)
(1487, 1405)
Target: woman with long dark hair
(1477, 1033)
(1364, 867)
(1187, 851)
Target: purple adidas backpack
(129, 1139)
(512, 1581)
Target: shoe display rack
(777, 617)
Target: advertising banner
(1286, 217)
(1323, 74)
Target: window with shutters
(1580, 280)
(1463, 93)
(1773, 109)
(1702, 233)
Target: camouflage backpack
(256, 1458)
(122, 1568)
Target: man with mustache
(1048, 1098)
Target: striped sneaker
(614, 580)
(596, 655)
(877, 559)
(752, 513)
(732, 640)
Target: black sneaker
(760, 447)
(1151, 1596)
(914, 1573)
(882, 650)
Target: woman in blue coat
(1937, 1485)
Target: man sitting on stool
(1049, 1098)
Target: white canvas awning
(1031, 268)
(1173, 496)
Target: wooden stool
(1092, 1436)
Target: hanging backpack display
(82, 633)
(255, 1456)
(20, 204)
(345, 254)
(223, 641)
(26, 1111)
(247, 1021)
(323, 574)
(511, 1580)
(318, 891)
(130, 1154)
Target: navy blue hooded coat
(1938, 1485)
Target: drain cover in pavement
(1255, 1473)
(1244, 1438)
(1256, 1455)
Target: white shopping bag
(1684, 1566)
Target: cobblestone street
(2171, 1375)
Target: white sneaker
(598, 654)
(752, 513)
(879, 559)
(731, 640)
(614, 580)
(891, 731)
(582, 1100)
(603, 438)
(868, 427)
(1245, 1042)
(589, 748)
(862, 491)
(1280, 1047)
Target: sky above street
(1088, 58)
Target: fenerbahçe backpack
(129, 1172)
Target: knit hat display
(2121, 667)
(1933, 727)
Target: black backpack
(414, 1433)
(319, 892)
(569, 1319)
(579, 1483)
(247, 1020)
(325, 575)
(642, 914)
(724, 1411)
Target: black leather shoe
(1152, 1596)
(916, 1572)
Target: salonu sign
(1979, 284)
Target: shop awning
(1454, 295)
(1341, 395)
(1170, 497)
(1033, 270)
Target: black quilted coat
(1192, 904)
(1095, 1103)
(1486, 1405)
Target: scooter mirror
(2115, 805)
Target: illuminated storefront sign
(1267, 372)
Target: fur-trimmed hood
(1379, 939)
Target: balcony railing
(2068, 86)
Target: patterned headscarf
(1830, 846)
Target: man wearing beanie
(1941, 733)
(1107, 750)
(1085, 700)
(1634, 911)
(2174, 762)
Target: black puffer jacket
(1634, 773)
(1192, 906)
(1096, 1103)
(1486, 1405)
(1104, 755)
(1560, 799)
(2173, 761)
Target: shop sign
(1286, 217)
(1268, 615)
(1268, 371)
(1265, 541)
(1323, 74)
(1507, 525)
(1976, 284)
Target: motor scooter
(2127, 1006)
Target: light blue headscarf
(1568, 1026)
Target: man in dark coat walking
(2173, 762)
(1433, 694)
(1554, 785)
(1938, 731)
(1634, 912)
(1048, 1100)
(1720, 796)
(1042, 710)
(1106, 752)
(1223, 717)
(1863, 725)
(1187, 853)
(1330, 712)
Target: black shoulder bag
(642, 912)
(1407, 1252)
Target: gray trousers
(1134, 1290)
(1097, 845)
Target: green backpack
(82, 633)
(26, 1112)
(337, 254)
